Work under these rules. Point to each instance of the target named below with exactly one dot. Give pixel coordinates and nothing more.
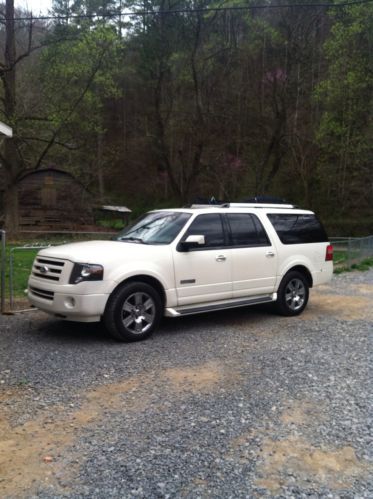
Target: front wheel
(292, 294)
(133, 312)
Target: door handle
(270, 254)
(220, 258)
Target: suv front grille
(42, 293)
(50, 270)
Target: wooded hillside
(155, 103)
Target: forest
(156, 103)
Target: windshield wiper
(133, 239)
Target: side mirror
(192, 242)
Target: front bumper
(63, 303)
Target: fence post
(2, 276)
(11, 303)
(349, 252)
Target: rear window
(298, 229)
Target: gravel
(240, 403)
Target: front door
(203, 274)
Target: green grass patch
(366, 264)
(340, 270)
(116, 224)
(362, 266)
(339, 257)
(22, 264)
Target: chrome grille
(42, 293)
(45, 268)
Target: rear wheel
(292, 294)
(133, 312)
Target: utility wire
(188, 11)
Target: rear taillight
(329, 253)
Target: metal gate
(2, 270)
(16, 264)
(14, 288)
(14, 278)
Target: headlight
(86, 272)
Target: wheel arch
(152, 281)
(303, 270)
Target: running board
(177, 312)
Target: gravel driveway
(232, 404)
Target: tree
(79, 76)
(67, 78)
(346, 98)
(10, 154)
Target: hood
(101, 252)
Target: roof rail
(197, 205)
(207, 202)
(243, 205)
(261, 205)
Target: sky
(36, 6)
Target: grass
(22, 263)
(340, 257)
(362, 266)
(116, 224)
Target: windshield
(157, 227)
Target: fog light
(70, 302)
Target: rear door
(204, 274)
(254, 257)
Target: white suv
(185, 261)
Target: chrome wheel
(138, 312)
(295, 294)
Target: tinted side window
(298, 229)
(246, 230)
(262, 235)
(209, 226)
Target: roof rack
(208, 205)
(261, 205)
(254, 202)
(264, 199)
(244, 205)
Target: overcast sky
(36, 6)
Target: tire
(292, 294)
(133, 312)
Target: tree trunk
(10, 156)
(11, 207)
(100, 168)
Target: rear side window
(298, 229)
(246, 230)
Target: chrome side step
(189, 310)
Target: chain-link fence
(17, 258)
(350, 250)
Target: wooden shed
(53, 199)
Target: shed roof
(118, 209)
(50, 169)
